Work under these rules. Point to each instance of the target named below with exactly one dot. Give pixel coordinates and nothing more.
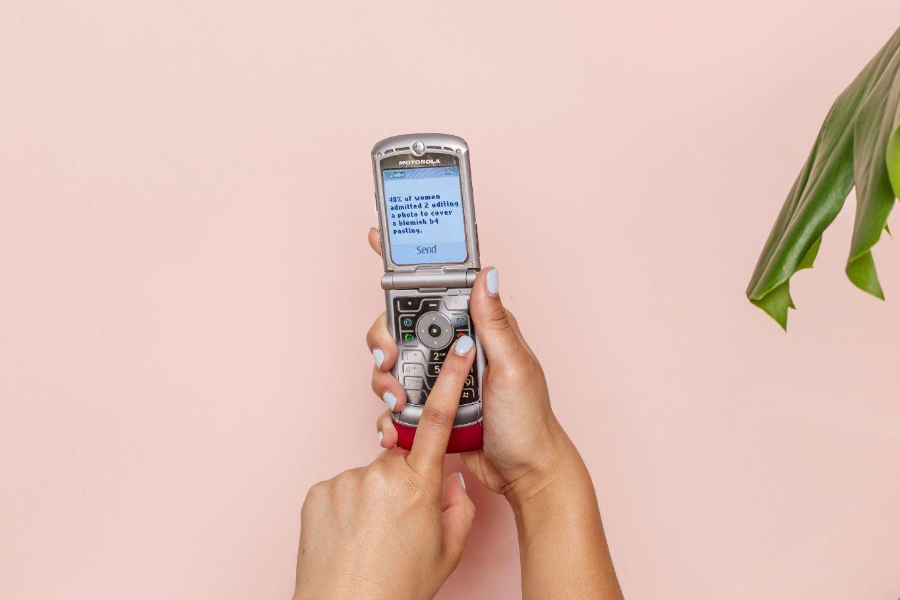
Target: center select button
(434, 330)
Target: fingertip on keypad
(419, 363)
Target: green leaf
(810, 258)
(858, 144)
(776, 303)
(892, 156)
(861, 272)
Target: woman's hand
(524, 445)
(391, 530)
(526, 456)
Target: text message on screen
(425, 215)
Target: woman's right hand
(524, 444)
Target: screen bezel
(429, 159)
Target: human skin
(361, 530)
(527, 456)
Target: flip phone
(429, 242)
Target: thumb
(496, 327)
(457, 515)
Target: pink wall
(185, 190)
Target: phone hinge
(438, 278)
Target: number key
(413, 383)
(411, 368)
(413, 356)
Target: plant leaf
(861, 272)
(874, 194)
(776, 303)
(858, 144)
(810, 258)
(892, 155)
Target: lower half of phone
(425, 325)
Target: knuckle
(436, 415)
(513, 368)
(498, 318)
(346, 483)
(416, 486)
(375, 481)
(378, 470)
(319, 489)
(524, 369)
(315, 495)
(470, 511)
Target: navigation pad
(426, 328)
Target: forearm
(562, 546)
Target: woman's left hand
(395, 529)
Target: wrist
(560, 472)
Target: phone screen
(425, 215)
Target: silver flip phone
(429, 242)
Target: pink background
(185, 189)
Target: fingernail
(390, 400)
(463, 345)
(380, 437)
(379, 357)
(461, 480)
(493, 282)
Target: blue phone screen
(425, 215)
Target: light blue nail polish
(379, 357)
(493, 282)
(390, 400)
(464, 345)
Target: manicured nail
(493, 282)
(380, 438)
(390, 400)
(461, 480)
(463, 345)
(379, 357)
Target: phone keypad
(419, 364)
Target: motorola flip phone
(429, 242)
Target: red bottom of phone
(462, 439)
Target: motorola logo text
(425, 161)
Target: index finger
(436, 422)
